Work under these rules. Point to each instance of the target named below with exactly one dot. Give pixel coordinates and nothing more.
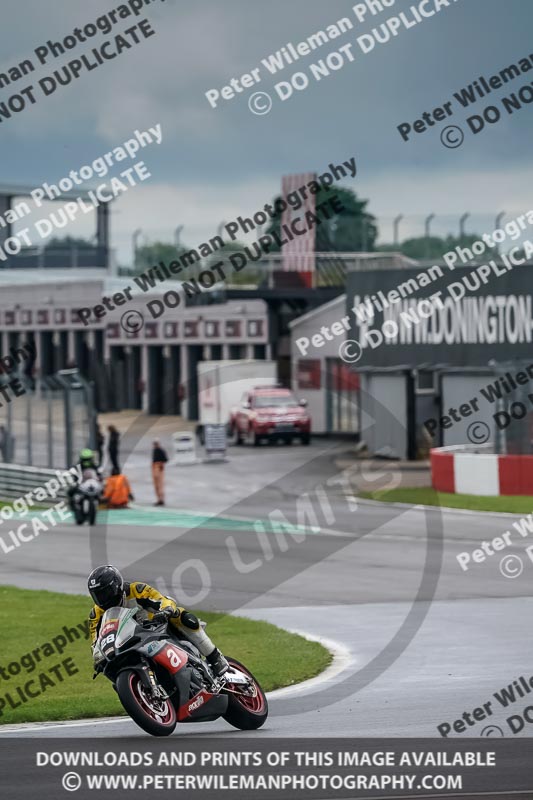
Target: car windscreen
(265, 400)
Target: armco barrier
(469, 469)
(16, 481)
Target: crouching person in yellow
(108, 589)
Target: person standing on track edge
(100, 441)
(113, 445)
(159, 459)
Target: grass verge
(32, 620)
(430, 497)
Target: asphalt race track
(411, 660)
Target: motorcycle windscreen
(110, 621)
(117, 625)
(108, 631)
(126, 627)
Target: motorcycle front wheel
(157, 717)
(246, 710)
(92, 511)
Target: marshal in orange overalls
(117, 491)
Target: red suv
(268, 412)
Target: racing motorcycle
(162, 680)
(86, 498)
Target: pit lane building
(422, 375)
(134, 361)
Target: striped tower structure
(299, 254)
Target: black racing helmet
(106, 587)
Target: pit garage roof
(15, 190)
(107, 284)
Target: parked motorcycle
(86, 498)
(162, 680)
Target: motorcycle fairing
(170, 657)
(203, 707)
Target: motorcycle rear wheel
(155, 717)
(244, 711)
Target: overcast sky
(214, 164)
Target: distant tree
(351, 230)
(422, 248)
(251, 274)
(150, 254)
(434, 247)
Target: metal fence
(327, 269)
(16, 481)
(50, 422)
(68, 257)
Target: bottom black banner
(265, 768)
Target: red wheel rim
(254, 703)
(160, 711)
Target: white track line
(343, 659)
(366, 501)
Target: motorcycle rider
(108, 589)
(89, 469)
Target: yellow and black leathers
(149, 602)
